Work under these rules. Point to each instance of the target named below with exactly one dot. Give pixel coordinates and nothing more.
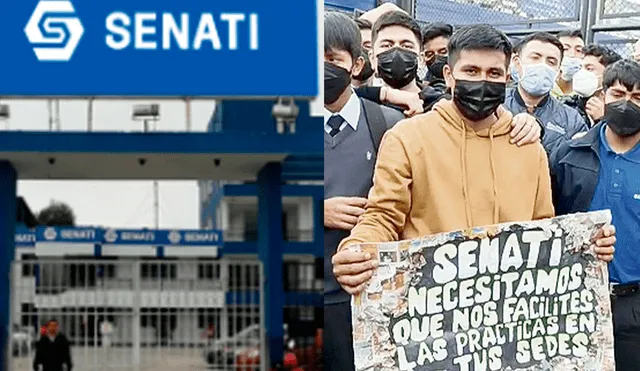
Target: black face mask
(623, 117)
(336, 80)
(478, 100)
(437, 65)
(367, 70)
(398, 67)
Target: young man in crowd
(435, 42)
(452, 168)
(353, 130)
(600, 171)
(513, 71)
(587, 83)
(365, 32)
(366, 76)
(396, 46)
(573, 45)
(538, 65)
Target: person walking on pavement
(53, 352)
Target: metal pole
(156, 204)
(407, 5)
(136, 315)
(187, 102)
(90, 115)
(592, 19)
(50, 110)
(57, 114)
(156, 193)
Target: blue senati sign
(190, 238)
(213, 48)
(68, 235)
(163, 237)
(25, 237)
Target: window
(244, 276)
(208, 271)
(81, 275)
(158, 269)
(29, 315)
(298, 276)
(106, 270)
(28, 267)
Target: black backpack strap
(376, 121)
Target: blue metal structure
(247, 146)
(314, 247)
(8, 211)
(269, 189)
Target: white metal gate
(139, 315)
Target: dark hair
(364, 24)
(435, 30)
(544, 37)
(341, 33)
(605, 55)
(52, 320)
(570, 33)
(517, 45)
(397, 18)
(624, 71)
(479, 37)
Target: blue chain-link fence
(614, 23)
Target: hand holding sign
(604, 243)
(353, 269)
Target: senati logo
(54, 25)
(175, 237)
(50, 234)
(111, 236)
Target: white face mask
(569, 67)
(537, 79)
(585, 83)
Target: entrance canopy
(143, 156)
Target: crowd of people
(434, 129)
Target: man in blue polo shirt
(602, 171)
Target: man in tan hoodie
(453, 168)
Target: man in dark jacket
(52, 351)
(602, 171)
(538, 65)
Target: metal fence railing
(206, 315)
(613, 23)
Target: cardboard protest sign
(517, 296)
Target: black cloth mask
(623, 117)
(437, 66)
(367, 70)
(398, 67)
(478, 100)
(336, 80)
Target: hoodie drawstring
(496, 204)
(465, 186)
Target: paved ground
(120, 359)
